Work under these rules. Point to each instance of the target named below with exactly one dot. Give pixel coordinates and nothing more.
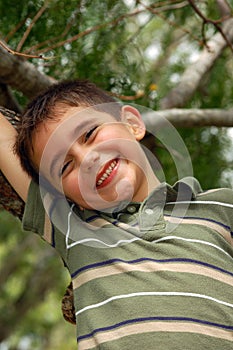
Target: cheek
(74, 190)
(70, 185)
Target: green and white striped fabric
(155, 275)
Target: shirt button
(149, 211)
(131, 209)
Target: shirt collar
(183, 190)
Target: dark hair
(51, 104)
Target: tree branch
(189, 118)
(7, 99)
(22, 75)
(224, 8)
(193, 75)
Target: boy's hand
(9, 162)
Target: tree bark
(9, 199)
(22, 75)
(8, 100)
(190, 118)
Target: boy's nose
(89, 160)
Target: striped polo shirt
(152, 275)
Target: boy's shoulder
(222, 195)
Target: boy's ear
(132, 117)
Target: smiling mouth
(107, 173)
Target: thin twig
(27, 32)
(213, 22)
(51, 40)
(138, 95)
(15, 53)
(15, 29)
(112, 23)
(152, 9)
(88, 31)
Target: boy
(137, 284)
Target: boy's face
(95, 160)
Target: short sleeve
(34, 212)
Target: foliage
(23, 317)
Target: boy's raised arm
(9, 162)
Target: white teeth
(107, 173)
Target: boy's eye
(89, 133)
(65, 167)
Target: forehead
(74, 118)
(68, 118)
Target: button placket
(149, 211)
(151, 219)
(131, 209)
